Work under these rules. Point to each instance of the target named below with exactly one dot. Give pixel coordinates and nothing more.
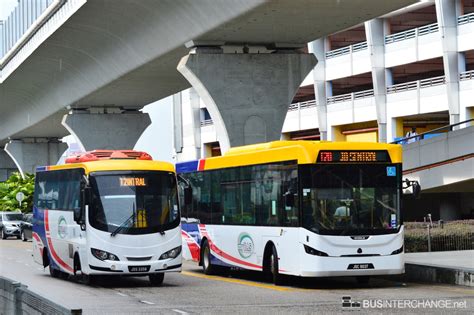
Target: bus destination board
(132, 181)
(352, 156)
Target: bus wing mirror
(79, 213)
(289, 199)
(188, 195)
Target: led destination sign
(349, 156)
(132, 181)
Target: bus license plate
(360, 266)
(138, 268)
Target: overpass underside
(444, 166)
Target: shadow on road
(311, 283)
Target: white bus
(107, 213)
(302, 208)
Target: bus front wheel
(274, 267)
(156, 279)
(207, 267)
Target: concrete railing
(412, 33)
(413, 85)
(467, 18)
(468, 75)
(15, 298)
(346, 50)
(206, 122)
(350, 96)
(301, 105)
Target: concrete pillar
(106, 131)
(7, 166)
(177, 124)
(190, 121)
(322, 89)
(247, 94)
(449, 208)
(375, 30)
(27, 154)
(447, 13)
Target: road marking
(180, 311)
(121, 294)
(146, 302)
(243, 282)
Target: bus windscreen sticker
(391, 171)
(393, 220)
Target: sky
(6, 7)
(157, 139)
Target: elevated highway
(114, 57)
(444, 167)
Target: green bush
(14, 185)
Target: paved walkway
(453, 259)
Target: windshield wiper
(119, 228)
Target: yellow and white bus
(303, 208)
(107, 213)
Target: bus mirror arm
(415, 187)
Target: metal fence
(439, 236)
(22, 17)
(16, 298)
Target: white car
(10, 224)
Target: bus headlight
(103, 255)
(312, 251)
(171, 253)
(398, 251)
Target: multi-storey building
(413, 67)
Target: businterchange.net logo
(349, 304)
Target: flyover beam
(247, 94)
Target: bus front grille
(139, 258)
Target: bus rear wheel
(156, 279)
(207, 267)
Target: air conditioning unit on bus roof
(100, 155)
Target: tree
(15, 184)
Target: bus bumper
(108, 267)
(315, 266)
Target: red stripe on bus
(202, 164)
(39, 241)
(194, 248)
(51, 248)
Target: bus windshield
(134, 202)
(353, 199)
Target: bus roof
(304, 152)
(113, 165)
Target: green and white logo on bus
(245, 245)
(62, 227)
